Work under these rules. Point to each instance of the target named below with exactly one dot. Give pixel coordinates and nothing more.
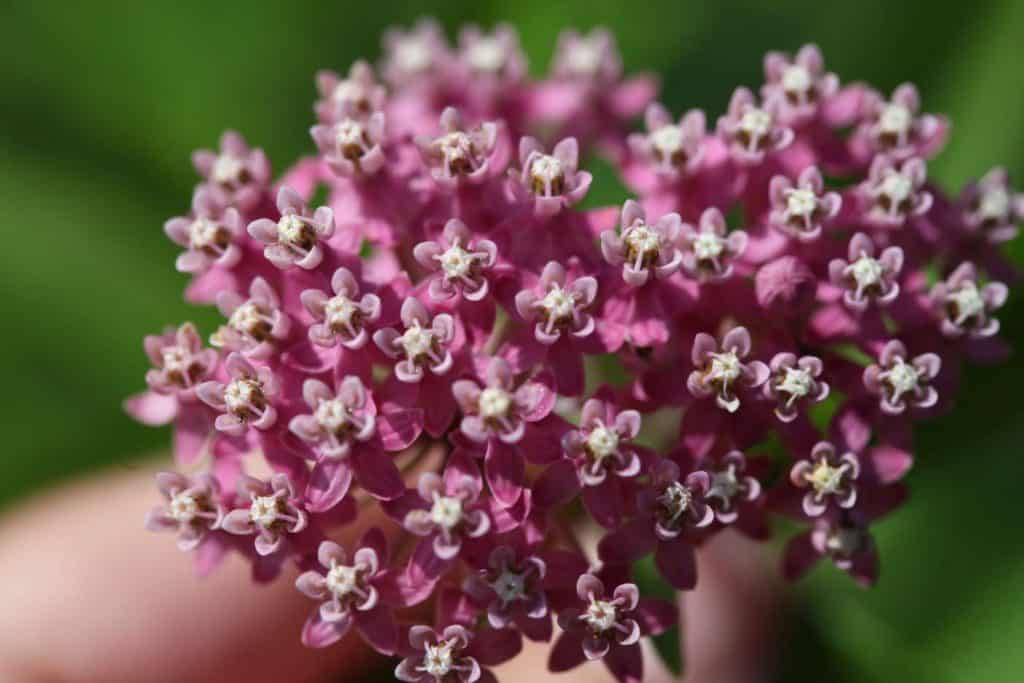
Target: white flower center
(725, 366)
(264, 510)
(175, 359)
(757, 123)
(897, 187)
(600, 615)
(558, 303)
(291, 229)
(724, 484)
(183, 507)
(203, 233)
(349, 133)
(446, 512)
(438, 660)
(995, 205)
(226, 169)
(455, 146)
(339, 311)
(416, 341)
(826, 479)
(642, 240)
(902, 377)
(708, 246)
(668, 140)
(342, 579)
(546, 169)
(413, 55)
(456, 262)
(510, 586)
(494, 403)
(796, 79)
(895, 119)
(796, 382)
(332, 414)
(866, 271)
(486, 54)
(240, 394)
(246, 317)
(583, 59)
(347, 91)
(602, 442)
(801, 202)
(967, 300)
(675, 500)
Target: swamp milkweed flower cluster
(419, 322)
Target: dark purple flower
(460, 153)
(550, 181)
(992, 208)
(275, 511)
(296, 238)
(898, 379)
(425, 343)
(503, 406)
(895, 193)
(846, 540)
(865, 279)
(458, 263)
(964, 307)
(256, 326)
(241, 174)
(675, 503)
(707, 252)
(671, 148)
(210, 234)
(718, 372)
(343, 317)
(451, 513)
(511, 587)
(441, 657)
(643, 250)
(800, 84)
(729, 487)
(245, 400)
(801, 211)
(828, 476)
(557, 307)
(193, 507)
(793, 381)
(352, 146)
(753, 131)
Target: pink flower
(792, 382)
(240, 174)
(425, 343)
(550, 181)
(828, 476)
(895, 193)
(643, 249)
(295, 240)
(898, 379)
(803, 210)
(458, 262)
(448, 512)
(274, 512)
(965, 307)
(440, 657)
(502, 407)
(344, 317)
(180, 363)
(210, 235)
(707, 251)
(895, 128)
(865, 279)
(992, 208)
(357, 96)
(352, 146)
(719, 372)
(800, 84)
(245, 401)
(753, 131)
(257, 326)
(413, 58)
(673, 149)
(460, 154)
(558, 307)
(193, 508)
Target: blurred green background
(103, 101)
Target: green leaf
(652, 585)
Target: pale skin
(90, 596)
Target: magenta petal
(491, 647)
(378, 629)
(567, 652)
(328, 484)
(626, 664)
(319, 633)
(399, 428)
(675, 560)
(377, 473)
(890, 463)
(151, 408)
(604, 502)
(505, 471)
(557, 485)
